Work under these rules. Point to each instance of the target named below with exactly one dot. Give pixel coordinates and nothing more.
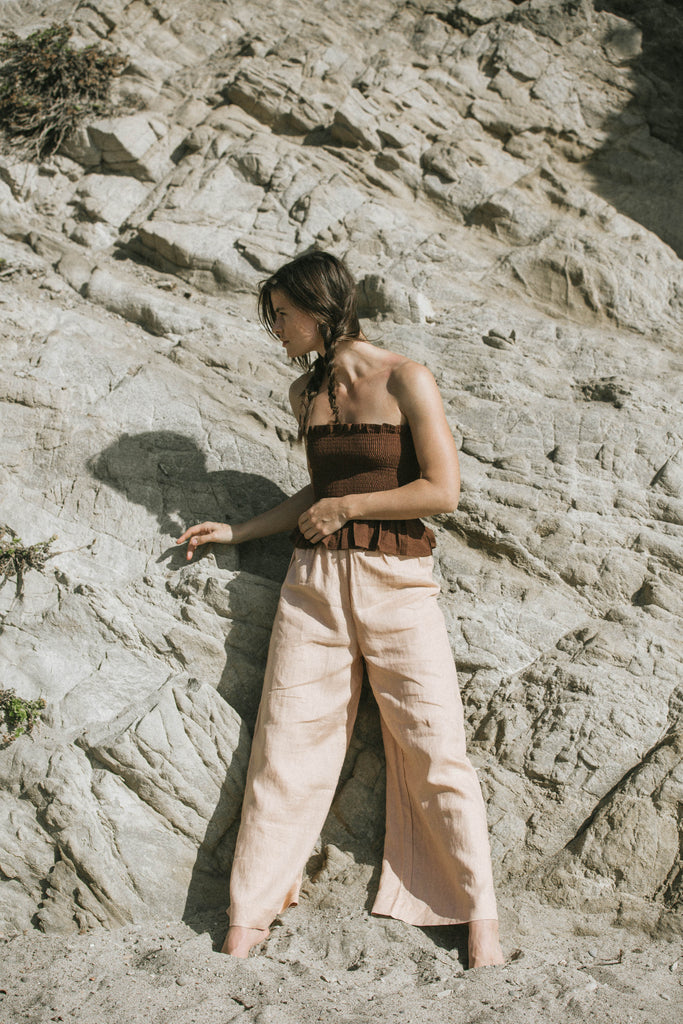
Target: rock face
(504, 179)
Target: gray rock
(99, 197)
(393, 298)
(501, 178)
(355, 122)
(138, 145)
(141, 305)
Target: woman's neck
(353, 360)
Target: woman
(359, 591)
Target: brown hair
(317, 283)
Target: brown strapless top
(357, 458)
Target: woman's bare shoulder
(409, 379)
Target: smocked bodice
(359, 458)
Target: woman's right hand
(207, 533)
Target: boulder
(141, 305)
(138, 145)
(100, 197)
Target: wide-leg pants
(337, 610)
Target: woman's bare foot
(239, 940)
(483, 946)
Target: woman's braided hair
(317, 283)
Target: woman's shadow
(165, 472)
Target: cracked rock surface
(505, 181)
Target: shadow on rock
(639, 168)
(166, 473)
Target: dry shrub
(47, 88)
(16, 558)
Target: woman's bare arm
(276, 520)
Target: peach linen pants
(337, 610)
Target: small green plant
(47, 87)
(16, 558)
(20, 715)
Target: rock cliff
(505, 179)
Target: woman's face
(296, 329)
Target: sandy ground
(329, 960)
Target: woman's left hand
(323, 518)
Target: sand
(329, 960)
